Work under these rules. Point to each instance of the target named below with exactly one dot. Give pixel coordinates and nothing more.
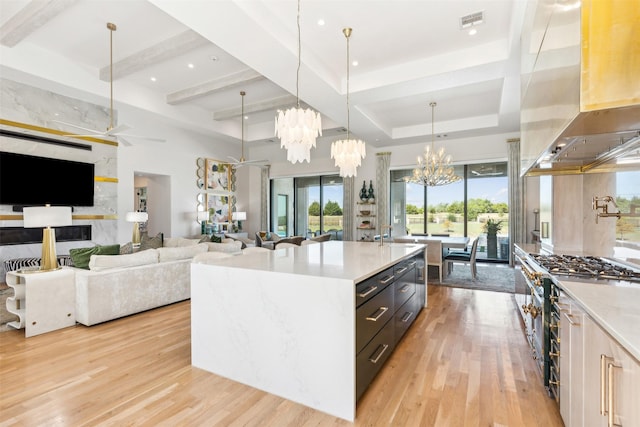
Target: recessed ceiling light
(190, 65)
(321, 22)
(213, 58)
(473, 32)
(246, 117)
(153, 79)
(354, 63)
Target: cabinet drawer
(373, 285)
(405, 317)
(372, 316)
(403, 290)
(370, 360)
(404, 267)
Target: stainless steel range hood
(581, 91)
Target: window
(308, 205)
(628, 227)
(459, 209)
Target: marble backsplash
(33, 106)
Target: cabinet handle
(552, 354)
(378, 353)
(387, 279)
(603, 381)
(610, 367)
(407, 316)
(402, 270)
(412, 264)
(569, 318)
(378, 313)
(367, 292)
(405, 288)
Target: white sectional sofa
(119, 285)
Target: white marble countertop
(614, 308)
(335, 259)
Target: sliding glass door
(307, 206)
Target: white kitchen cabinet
(611, 380)
(571, 362)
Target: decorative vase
(363, 192)
(492, 246)
(370, 196)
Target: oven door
(535, 311)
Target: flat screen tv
(35, 181)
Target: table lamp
(239, 216)
(136, 218)
(203, 218)
(47, 217)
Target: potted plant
(492, 227)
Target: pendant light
(434, 168)
(296, 127)
(348, 153)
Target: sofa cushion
(179, 242)
(81, 256)
(210, 257)
(231, 247)
(154, 242)
(184, 252)
(105, 262)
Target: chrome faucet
(382, 228)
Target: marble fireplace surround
(33, 111)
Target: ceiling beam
(30, 18)
(165, 50)
(210, 87)
(271, 104)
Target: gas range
(591, 268)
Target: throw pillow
(233, 247)
(216, 239)
(126, 249)
(82, 256)
(147, 242)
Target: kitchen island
(300, 322)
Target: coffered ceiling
(409, 53)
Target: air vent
(471, 20)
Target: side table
(43, 301)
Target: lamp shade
(46, 216)
(137, 217)
(239, 216)
(203, 216)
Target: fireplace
(21, 235)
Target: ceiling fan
(242, 161)
(111, 132)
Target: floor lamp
(47, 217)
(136, 218)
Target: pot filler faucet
(604, 206)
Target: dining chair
(463, 257)
(435, 256)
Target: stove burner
(585, 266)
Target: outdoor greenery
(330, 209)
(492, 227)
(474, 208)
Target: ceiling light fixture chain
(434, 168)
(348, 153)
(112, 27)
(296, 127)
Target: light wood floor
(463, 363)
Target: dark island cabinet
(386, 306)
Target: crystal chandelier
(434, 168)
(348, 153)
(296, 127)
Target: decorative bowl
(365, 213)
